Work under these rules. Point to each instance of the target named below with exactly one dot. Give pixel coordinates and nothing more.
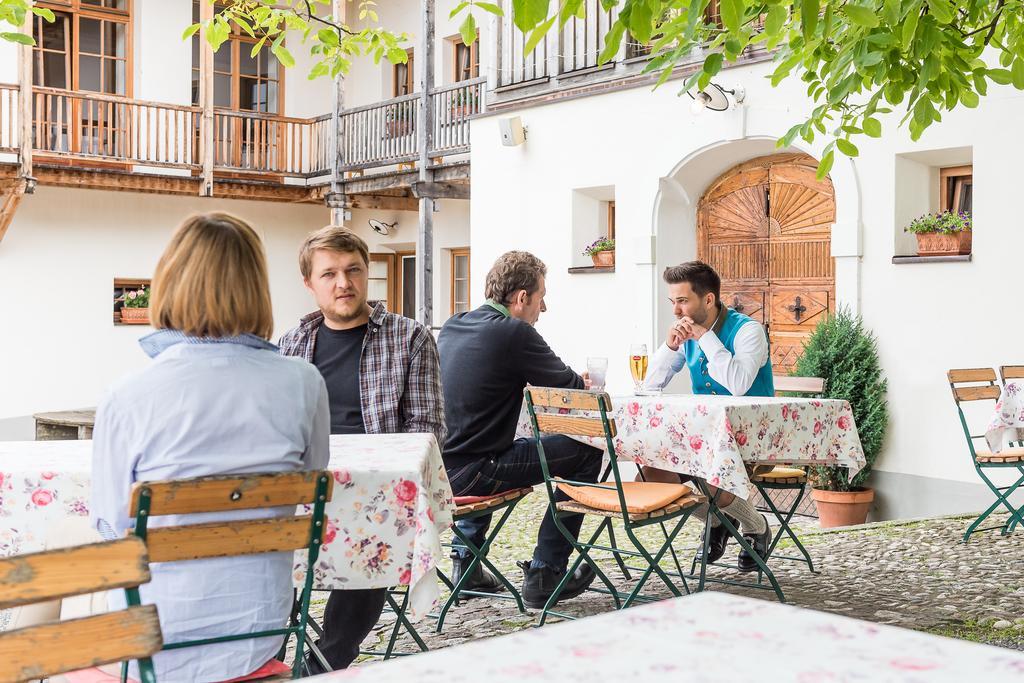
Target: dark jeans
(349, 617)
(519, 467)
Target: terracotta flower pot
(134, 316)
(604, 259)
(842, 508)
(940, 244)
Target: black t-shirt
(336, 355)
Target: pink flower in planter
(41, 497)
(696, 443)
(405, 490)
(843, 422)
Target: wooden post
(425, 234)
(25, 107)
(206, 98)
(336, 198)
(494, 52)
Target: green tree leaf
(847, 147)
(809, 17)
(872, 128)
(825, 165)
(732, 12)
(862, 16)
(468, 30)
(941, 10)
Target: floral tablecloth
(705, 637)
(1008, 420)
(391, 503)
(715, 437)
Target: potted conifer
(845, 354)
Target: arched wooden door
(765, 226)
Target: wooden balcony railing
(112, 129)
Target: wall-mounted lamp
(382, 228)
(715, 97)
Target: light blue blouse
(208, 407)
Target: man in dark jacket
(488, 356)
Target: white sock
(701, 512)
(750, 519)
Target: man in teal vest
(726, 353)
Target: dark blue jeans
(519, 467)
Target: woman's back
(209, 407)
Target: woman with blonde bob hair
(217, 399)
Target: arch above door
(765, 226)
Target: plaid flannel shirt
(399, 372)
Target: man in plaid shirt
(382, 377)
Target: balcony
(164, 142)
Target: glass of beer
(638, 365)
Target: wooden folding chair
(57, 647)
(979, 384)
(471, 507)
(637, 504)
(240, 537)
(792, 479)
(1007, 372)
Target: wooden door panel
(740, 215)
(798, 309)
(785, 350)
(735, 180)
(797, 210)
(801, 261)
(748, 302)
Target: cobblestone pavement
(914, 574)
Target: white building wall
(659, 157)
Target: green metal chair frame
(982, 387)
(239, 492)
(810, 387)
(569, 421)
(391, 605)
(504, 503)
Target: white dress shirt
(205, 409)
(734, 371)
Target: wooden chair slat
(219, 494)
(54, 574)
(58, 647)
(976, 393)
(571, 425)
(1011, 372)
(798, 385)
(574, 399)
(972, 375)
(217, 539)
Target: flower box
(604, 259)
(943, 244)
(134, 316)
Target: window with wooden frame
(460, 280)
(382, 281)
(465, 59)
(86, 48)
(403, 77)
(122, 287)
(241, 81)
(611, 220)
(956, 189)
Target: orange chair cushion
(641, 496)
(1005, 455)
(274, 667)
(783, 473)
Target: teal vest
(697, 362)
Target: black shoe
(719, 536)
(540, 583)
(759, 542)
(482, 581)
(312, 665)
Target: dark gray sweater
(487, 359)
